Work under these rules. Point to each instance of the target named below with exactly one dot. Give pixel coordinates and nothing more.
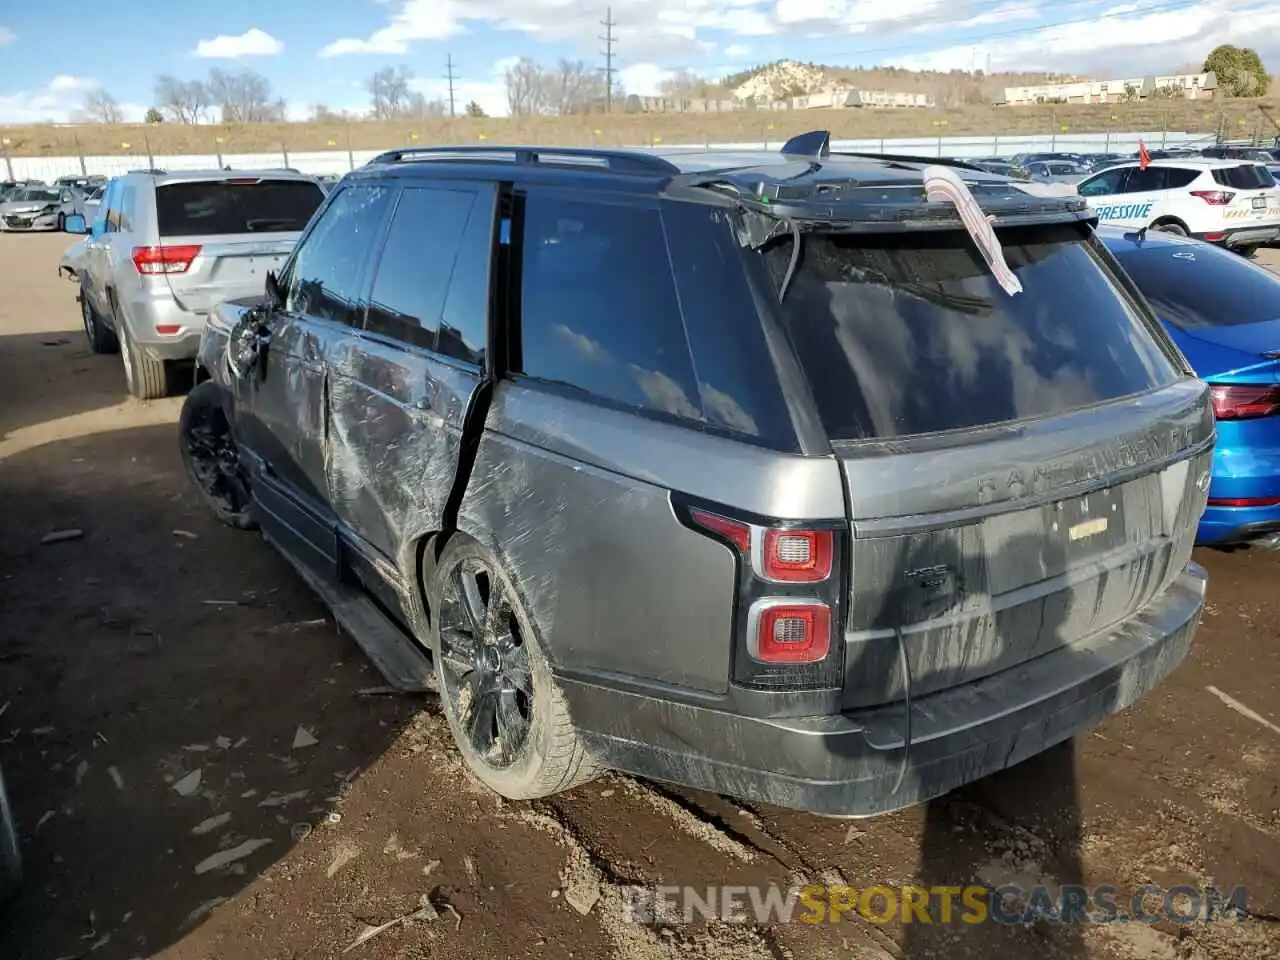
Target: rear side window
(1185, 285)
(1244, 177)
(598, 304)
(232, 206)
(417, 261)
(1158, 178)
(904, 334)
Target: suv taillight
(1217, 198)
(1235, 401)
(789, 590)
(165, 259)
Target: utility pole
(450, 77)
(607, 53)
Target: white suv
(1230, 202)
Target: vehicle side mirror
(74, 223)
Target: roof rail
(911, 158)
(155, 171)
(617, 161)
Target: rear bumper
(150, 311)
(1221, 526)
(850, 764)
(1246, 466)
(1249, 236)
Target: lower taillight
(788, 596)
(1233, 401)
(789, 631)
(1216, 198)
(165, 259)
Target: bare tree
(686, 85)
(244, 96)
(419, 106)
(574, 87)
(527, 89)
(183, 101)
(101, 107)
(389, 92)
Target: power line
(450, 77)
(607, 53)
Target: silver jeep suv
(165, 248)
(737, 470)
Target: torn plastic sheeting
(944, 184)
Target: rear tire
(1170, 226)
(10, 855)
(102, 339)
(509, 719)
(1247, 252)
(211, 456)
(145, 376)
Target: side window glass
(124, 208)
(325, 277)
(100, 215)
(736, 381)
(598, 305)
(1144, 181)
(416, 264)
(1177, 177)
(1104, 184)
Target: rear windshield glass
(904, 334)
(1244, 177)
(1185, 285)
(220, 206)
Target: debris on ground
(224, 858)
(344, 855)
(116, 777)
(59, 536)
(297, 625)
(275, 799)
(185, 534)
(304, 738)
(425, 911)
(188, 785)
(211, 824)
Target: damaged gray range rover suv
(785, 476)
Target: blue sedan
(1224, 314)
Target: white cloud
(644, 79)
(736, 50)
(490, 92)
(251, 43)
(1130, 40)
(7, 36)
(55, 102)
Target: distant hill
(790, 78)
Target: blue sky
(321, 51)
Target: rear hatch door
(1254, 195)
(1022, 472)
(234, 230)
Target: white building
(1193, 86)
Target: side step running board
(400, 661)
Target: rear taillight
(789, 631)
(1217, 198)
(788, 598)
(1233, 401)
(165, 259)
(796, 556)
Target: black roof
(804, 181)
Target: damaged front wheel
(212, 458)
(507, 715)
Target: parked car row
(483, 400)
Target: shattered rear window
(904, 334)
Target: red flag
(1144, 158)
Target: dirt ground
(204, 768)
